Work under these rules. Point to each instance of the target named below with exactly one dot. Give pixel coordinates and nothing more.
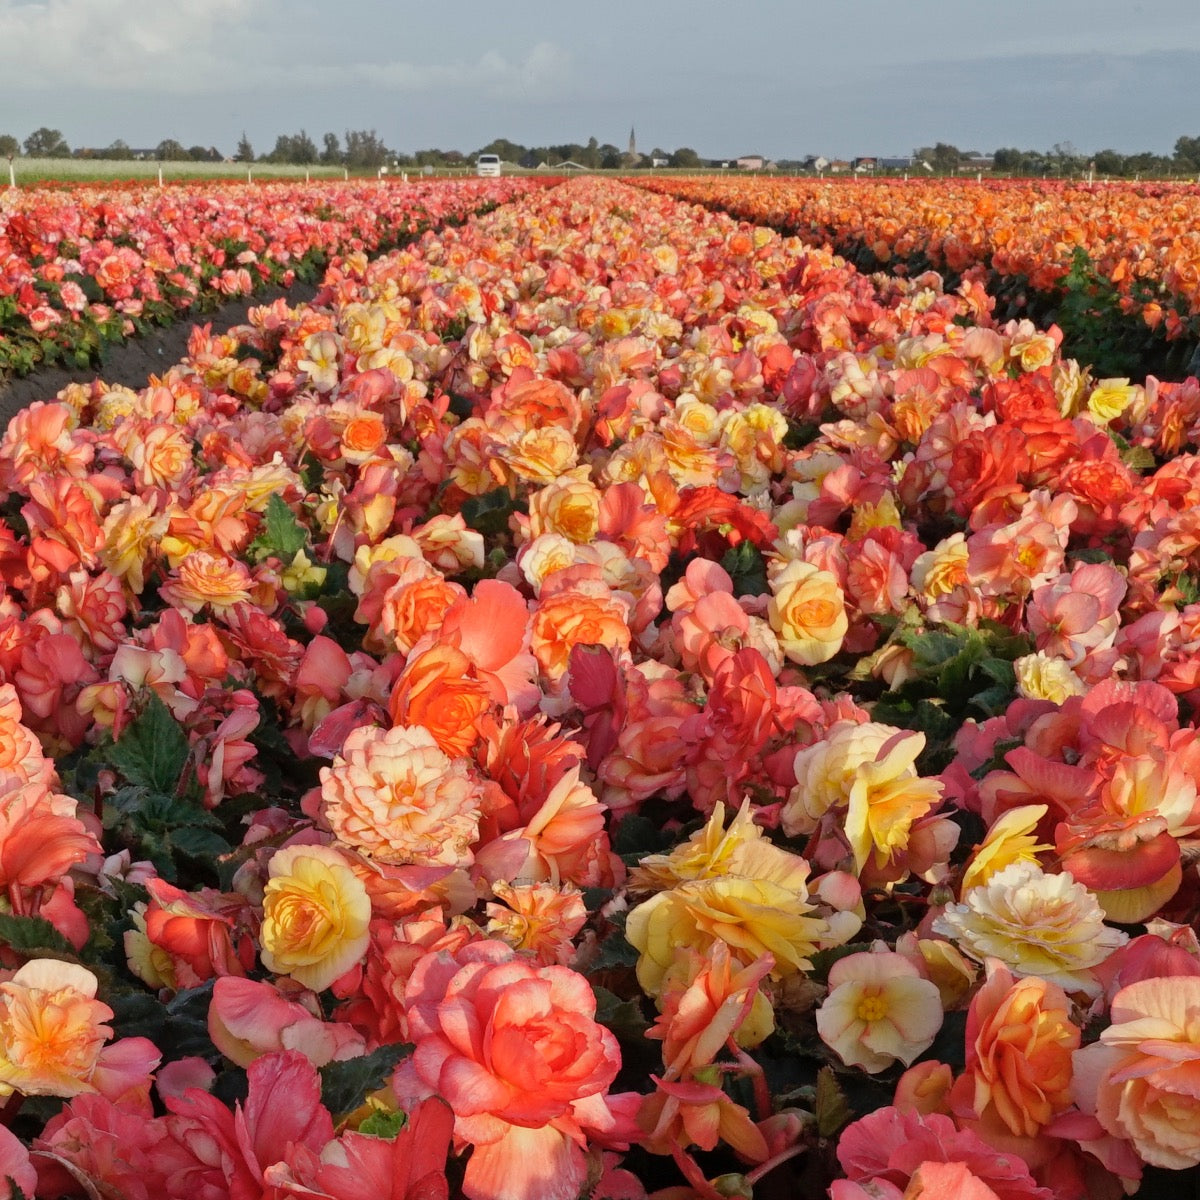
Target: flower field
(87, 266)
(606, 701)
(1116, 248)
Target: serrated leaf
(747, 569)
(832, 1110)
(281, 533)
(199, 843)
(33, 937)
(489, 513)
(345, 1085)
(624, 1017)
(382, 1124)
(153, 750)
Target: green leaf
(385, 1125)
(832, 1110)
(345, 1085)
(489, 513)
(624, 1017)
(153, 750)
(34, 937)
(199, 843)
(281, 533)
(746, 568)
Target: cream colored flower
(879, 1010)
(868, 770)
(395, 796)
(1036, 924)
(1041, 676)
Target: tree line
(362, 149)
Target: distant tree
(117, 150)
(46, 143)
(1109, 162)
(943, 157)
(245, 151)
(331, 155)
(507, 151)
(1187, 154)
(610, 157)
(365, 149)
(685, 157)
(170, 150)
(9, 146)
(204, 153)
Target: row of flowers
(605, 699)
(1139, 237)
(89, 266)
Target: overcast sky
(783, 78)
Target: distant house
(979, 162)
(903, 163)
(751, 162)
(816, 162)
(659, 162)
(863, 164)
(839, 166)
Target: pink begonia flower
(885, 1149)
(215, 1152)
(516, 1052)
(248, 1019)
(879, 1009)
(410, 1166)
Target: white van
(487, 166)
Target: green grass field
(30, 171)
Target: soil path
(133, 361)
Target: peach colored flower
(316, 914)
(1019, 1045)
(515, 1050)
(52, 1029)
(807, 611)
(207, 579)
(539, 918)
(1140, 1078)
(1036, 924)
(571, 618)
(879, 1010)
(440, 691)
(569, 506)
(393, 795)
(701, 1013)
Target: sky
(783, 78)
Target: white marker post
(160, 176)
(12, 175)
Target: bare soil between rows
(132, 362)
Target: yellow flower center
(871, 1008)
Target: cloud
(115, 44)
